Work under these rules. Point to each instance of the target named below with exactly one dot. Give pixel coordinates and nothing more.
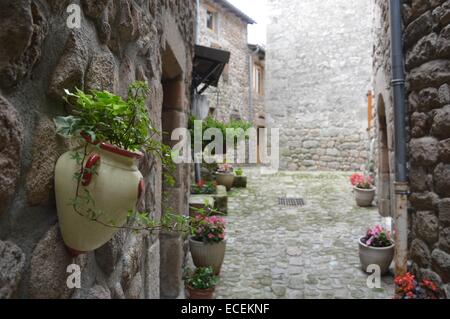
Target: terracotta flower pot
(115, 188)
(208, 254)
(364, 197)
(381, 256)
(199, 293)
(225, 179)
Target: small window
(211, 20)
(257, 79)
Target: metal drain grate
(287, 201)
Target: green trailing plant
(103, 117)
(202, 278)
(108, 118)
(211, 122)
(239, 172)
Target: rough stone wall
(427, 58)
(231, 35)
(318, 73)
(427, 62)
(118, 42)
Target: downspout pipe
(197, 165)
(401, 179)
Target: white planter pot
(208, 254)
(364, 197)
(376, 256)
(115, 189)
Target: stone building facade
(222, 26)
(118, 42)
(318, 73)
(427, 65)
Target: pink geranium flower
(377, 237)
(208, 228)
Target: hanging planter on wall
(114, 184)
(98, 185)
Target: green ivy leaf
(66, 126)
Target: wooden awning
(208, 67)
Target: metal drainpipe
(197, 166)
(401, 180)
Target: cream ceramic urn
(114, 183)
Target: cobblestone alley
(296, 252)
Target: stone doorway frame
(173, 115)
(384, 168)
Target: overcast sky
(257, 10)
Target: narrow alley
(297, 252)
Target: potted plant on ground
(364, 189)
(225, 176)
(207, 242)
(376, 248)
(201, 283)
(98, 184)
(407, 287)
(240, 181)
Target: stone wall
(427, 60)
(230, 35)
(118, 42)
(318, 73)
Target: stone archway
(384, 180)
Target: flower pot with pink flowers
(363, 189)
(225, 176)
(376, 248)
(207, 242)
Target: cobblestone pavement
(296, 252)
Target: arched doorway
(384, 180)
